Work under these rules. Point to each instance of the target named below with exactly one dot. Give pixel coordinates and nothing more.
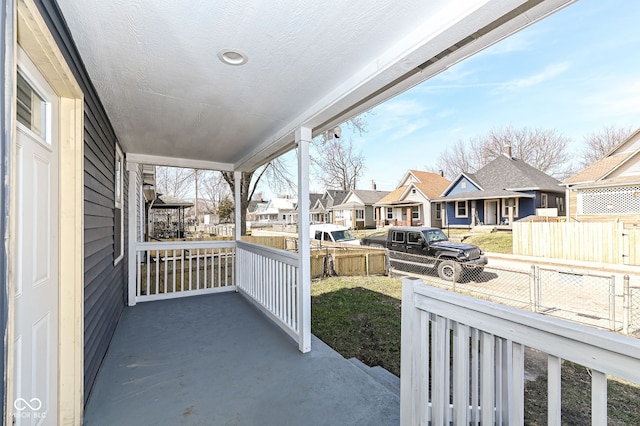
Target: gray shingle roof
(513, 174)
(370, 196)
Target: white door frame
(497, 212)
(34, 37)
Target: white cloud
(548, 73)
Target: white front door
(491, 212)
(36, 291)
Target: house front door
(37, 284)
(491, 212)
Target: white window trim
(516, 212)
(544, 200)
(118, 203)
(359, 212)
(416, 211)
(466, 208)
(438, 211)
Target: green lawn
(361, 317)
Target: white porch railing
(269, 277)
(463, 359)
(166, 270)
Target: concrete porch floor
(216, 360)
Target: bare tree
(338, 165)
(544, 149)
(276, 174)
(599, 144)
(213, 188)
(174, 181)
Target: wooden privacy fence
(606, 242)
(349, 261)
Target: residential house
(504, 190)
(278, 210)
(321, 210)
(356, 210)
(94, 93)
(609, 189)
(410, 204)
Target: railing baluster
(460, 373)
(139, 273)
(157, 266)
(190, 270)
(516, 412)
(174, 271)
(198, 269)
(182, 270)
(147, 284)
(475, 377)
(487, 389)
(554, 367)
(598, 398)
(204, 275)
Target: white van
(331, 233)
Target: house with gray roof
(357, 209)
(321, 209)
(504, 190)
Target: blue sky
(575, 71)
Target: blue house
(504, 190)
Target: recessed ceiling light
(232, 57)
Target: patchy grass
(361, 317)
(497, 242)
(623, 399)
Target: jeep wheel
(449, 270)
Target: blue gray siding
(103, 282)
(457, 188)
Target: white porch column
(303, 139)
(237, 178)
(132, 204)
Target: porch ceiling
(155, 65)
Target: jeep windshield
(339, 236)
(435, 235)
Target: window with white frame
(32, 111)
(560, 204)
(438, 211)
(339, 215)
(462, 209)
(389, 213)
(544, 201)
(118, 211)
(415, 212)
(359, 214)
(510, 202)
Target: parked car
(450, 259)
(333, 234)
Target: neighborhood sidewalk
(563, 263)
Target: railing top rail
(281, 255)
(170, 245)
(603, 351)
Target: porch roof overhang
(484, 195)
(171, 101)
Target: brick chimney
(506, 150)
